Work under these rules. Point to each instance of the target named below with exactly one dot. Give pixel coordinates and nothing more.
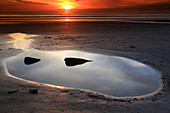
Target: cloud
(56, 3)
(117, 5)
(161, 6)
(94, 3)
(29, 2)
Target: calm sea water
(151, 18)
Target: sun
(67, 7)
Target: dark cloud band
(24, 1)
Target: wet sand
(146, 43)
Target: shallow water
(112, 75)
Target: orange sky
(39, 5)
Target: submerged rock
(75, 61)
(30, 60)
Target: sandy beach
(148, 43)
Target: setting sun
(67, 7)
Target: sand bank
(146, 43)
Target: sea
(98, 17)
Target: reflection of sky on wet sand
(111, 75)
(21, 40)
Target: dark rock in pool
(75, 61)
(30, 60)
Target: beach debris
(33, 91)
(132, 46)
(135, 99)
(153, 99)
(11, 92)
(75, 61)
(96, 96)
(71, 93)
(65, 91)
(99, 96)
(30, 60)
(47, 37)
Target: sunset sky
(47, 5)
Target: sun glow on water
(67, 20)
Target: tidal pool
(111, 75)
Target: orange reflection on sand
(162, 81)
(21, 40)
(54, 86)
